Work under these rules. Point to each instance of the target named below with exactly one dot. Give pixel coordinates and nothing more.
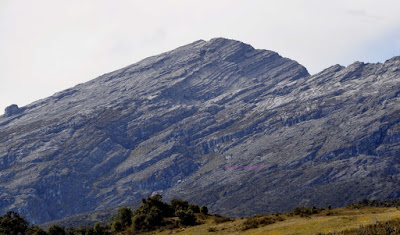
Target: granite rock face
(216, 122)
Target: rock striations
(217, 122)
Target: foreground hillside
(219, 123)
(180, 217)
(337, 221)
(344, 219)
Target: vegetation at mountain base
(242, 130)
(13, 223)
(221, 219)
(155, 216)
(260, 220)
(395, 202)
(380, 227)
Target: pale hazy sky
(50, 45)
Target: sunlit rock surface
(216, 122)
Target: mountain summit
(216, 122)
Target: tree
(186, 217)
(12, 223)
(151, 213)
(179, 204)
(125, 216)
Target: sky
(51, 45)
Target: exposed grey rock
(175, 123)
(12, 110)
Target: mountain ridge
(172, 123)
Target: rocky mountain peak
(183, 122)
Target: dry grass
(327, 221)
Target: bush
(194, 208)
(221, 219)
(84, 230)
(387, 227)
(178, 204)
(116, 226)
(172, 224)
(56, 230)
(125, 216)
(375, 203)
(186, 217)
(151, 214)
(204, 210)
(99, 229)
(154, 217)
(138, 222)
(35, 230)
(155, 201)
(306, 211)
(260, 220)
(70, 231)
(13, 223)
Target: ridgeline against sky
(216, 122)
(48, 46)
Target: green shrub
(35, 230)
(99, 229)
(384, 227)
(125, 216)
(221, 219)
(56, 230)
(154, 217)
(260, 220)
(151, 214)
(306, 211)
(155, 201)
(172, 224)
(186, 217)
(194, 208)
(84, 230)
(70, 231)
(138, 222)
(116, 226)
(13, 223)
(204, 210)
(178, 204)
(375, 203)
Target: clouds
(50, 45)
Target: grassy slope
(339, 220)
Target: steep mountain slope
(216, 122)
(332, 139)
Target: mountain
(216, 122)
